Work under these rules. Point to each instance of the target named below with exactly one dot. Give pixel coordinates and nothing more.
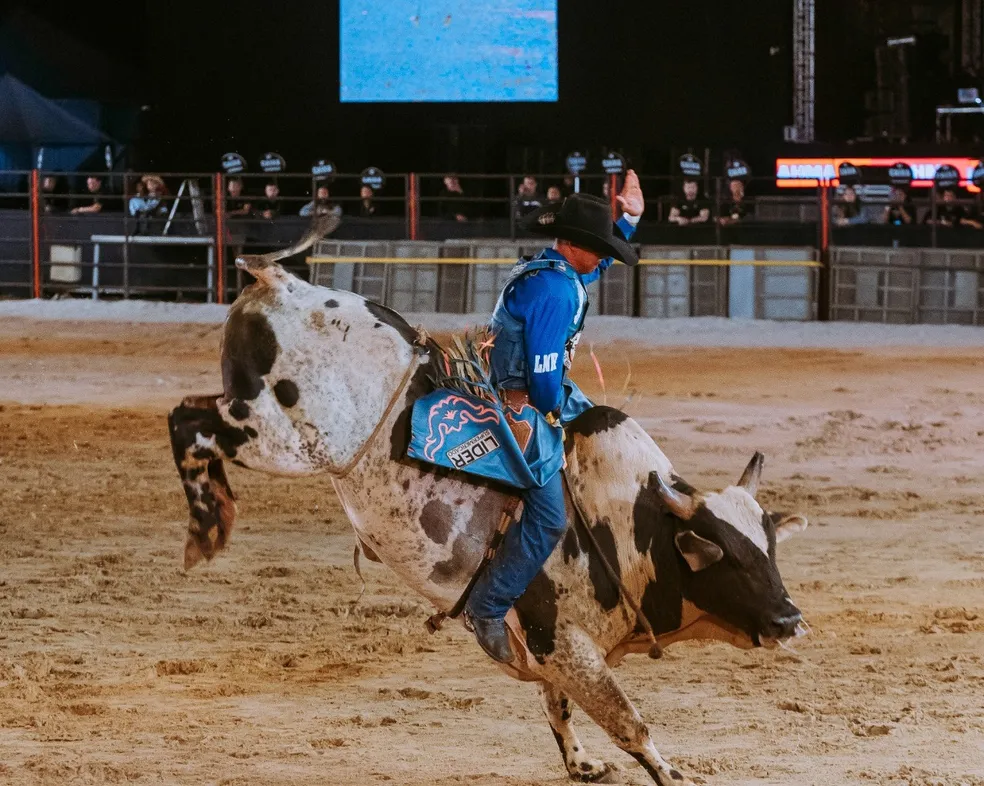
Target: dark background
(648, 79)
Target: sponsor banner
(272, 163)
(977, 176)
(736, 169)
(233, 163)
(900, 174)
(691, 166)
(576, 163)
(848, 174)
(323, 169)
(373, 177)
(811, 172)
(613, 164)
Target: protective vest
(508, 359)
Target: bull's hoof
(593, 771)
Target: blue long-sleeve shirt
(547, 304)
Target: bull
(317, 380)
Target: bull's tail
(266, 268)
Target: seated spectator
(53, 199)
(93, 202)
(236, 203)
(849, 210)
(689, 210)
(951, 214)
(900, 210)
(147, 203)
(269, 207)
(553, 194)
(451, 205)
(527, 198)
(137, 205)
(737, 209)
(366, 209)
(320, 206)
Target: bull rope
(655, 651)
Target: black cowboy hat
(585, 221)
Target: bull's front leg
(577, 667)
(201, 439)
(558, 709)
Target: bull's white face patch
(739, 508)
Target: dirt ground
(116, 666)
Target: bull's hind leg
(558, 709)
(578, 668)
(201, 439)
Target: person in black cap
(536, 325)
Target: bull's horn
(750, 477)
(680, 504)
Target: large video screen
(448, 50)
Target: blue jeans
(527, 545)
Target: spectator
(452, 205)
(137, 206)
(366, 209)
(689, 210)
(527, 198)
(52, 197)
(236, 203)
(951, 214)
(270, 205)
(553, 194)
(94, 201)
(320, 205)
(147, 203)
(900, 210)
(849, 210)
(737, 209)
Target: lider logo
(477, 447)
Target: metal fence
(184, 248)
(456, 277)
(908, 286)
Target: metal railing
(184, 247)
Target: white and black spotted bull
(322, 381)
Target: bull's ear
(699, 552)
(788, 524)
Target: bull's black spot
(377, 325)
(585, 766)
(596, 420)
(251, 432)
(406, 484)
(676, 775)
(572, 547)
(606, 591)
(185, 423)
(388, 316)
(331, 303)
(537, 612)
(286, 392)
(565, 710)
(249, 351)
(461, 564)
(436, 519)
(239, 409)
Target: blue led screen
(448, 50)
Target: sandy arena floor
(116, 666)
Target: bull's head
(727, 546)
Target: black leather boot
(493, 637)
